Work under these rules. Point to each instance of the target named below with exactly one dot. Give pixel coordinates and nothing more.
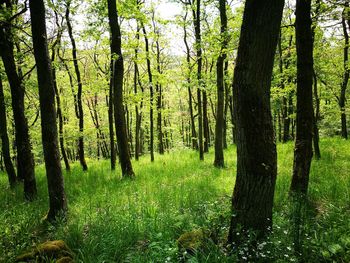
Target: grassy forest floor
(114, 220)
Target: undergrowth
(115, 220)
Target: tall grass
(115, 220)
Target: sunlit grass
(115, 220)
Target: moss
(65, 260)
(191, 241)
(56, 249)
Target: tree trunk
(342, 98)
(197, 29)
(188, 78)
(227, 102)
(316, 135)
(111, 120)
(220, 84)
(25, 160)
(5, 145)
(256, 149)
(305, 115)
(150, 78)
(58, 203)
(118, 74)
(58, 99)
(80, 90)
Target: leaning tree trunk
(81, 150)
(220, 84)
(305, 115)
(25, 160)
(256, 149)
(58, 202)
(118, 74)
(5, 145)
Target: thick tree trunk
(5, 145)
(118, 74)
(58, 203)
(80, 91)
(220, 84)
(197, 28)
(25, 160)
(256, 149)
(305, 115)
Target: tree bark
(150, 78)
(256, 149)
(342, 98)
(118, 75)
(80, 90)
(25, 160)
(197, 28)
(220, 84)
(305, 115)
(58, 202)
(5, 145)
(58, 99)
(188, 79)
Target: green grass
(114, 220)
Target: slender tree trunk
(342, 98)
(58, 203)
(111, 120)
(227, 102)
(118, 74)
(220, 84)
(206, 131)
(316, 135)
(25, 160)
(256, 149)
(150, 78)
(197, 28)
(80, 91)
(5, 145)
(305, 115)
(58, 99)
(188, 78)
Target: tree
(118, 74)
(58, 202)
(25, 160)
(5, 145)
(196, 13)
(305, 115)
(81, 151)
(220, 125)
(256, 150)
(342, 98)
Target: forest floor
(114, 220)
